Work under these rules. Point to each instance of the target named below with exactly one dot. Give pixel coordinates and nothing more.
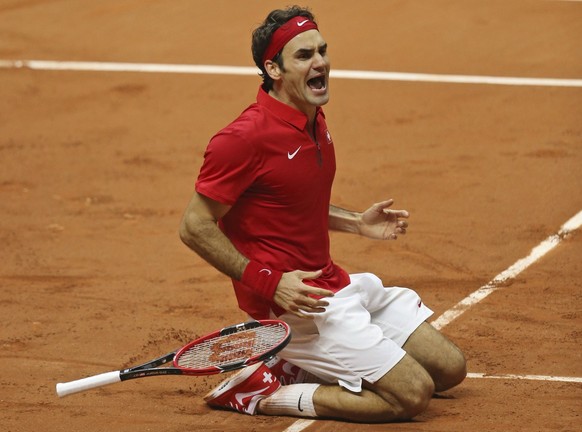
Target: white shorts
(359, 336)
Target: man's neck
(310, 111)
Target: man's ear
(273, 70)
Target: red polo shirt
(278, 181)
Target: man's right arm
(200, 232)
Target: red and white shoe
(287, 373)
(243, 391)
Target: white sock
(295, 400)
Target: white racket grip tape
(64, 389)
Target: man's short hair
(262, 38)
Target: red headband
(285, 33)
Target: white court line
(527, 377)
(536, 253)
(242, 70)
(299, 425)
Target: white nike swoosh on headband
(300, 24)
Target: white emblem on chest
(292, 155)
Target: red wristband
(261, 279)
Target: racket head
(233, 347)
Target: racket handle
(64, 389)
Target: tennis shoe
(243, 391)
(286, 372)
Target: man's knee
(415, 401)
(438, 355)
(452, 371)
(457, 372)
(408, 389)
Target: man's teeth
(316, 83)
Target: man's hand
(295, 297)
(379, 222)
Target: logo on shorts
(420, 303)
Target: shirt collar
(284, 111)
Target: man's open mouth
(317, 83)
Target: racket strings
(231, 348)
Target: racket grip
(64, 389)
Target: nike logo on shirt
(292, 155)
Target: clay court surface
(97, 167)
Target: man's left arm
(377, 222)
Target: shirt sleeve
(229, 168)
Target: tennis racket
(231, 348)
